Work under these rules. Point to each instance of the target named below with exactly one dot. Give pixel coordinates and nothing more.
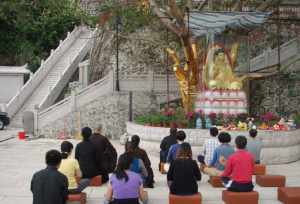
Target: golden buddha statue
(218, 70)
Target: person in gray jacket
(254, 145)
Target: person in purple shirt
(125, 186)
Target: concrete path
(20, 159)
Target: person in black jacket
(106, 154)
(49, 186)
(166, 143)
(184, 172)
(142, 154)
(86, 154)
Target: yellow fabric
(69, 167)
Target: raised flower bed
(175, 117)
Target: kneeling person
(239, 168)
(70, 168)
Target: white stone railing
(270, 57)
(149, 82)
(66, 74)
(19, 99)
(69, 104)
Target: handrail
(96, 85)
(83, 49)
(270, 57)
(18, 100)
(97, 89)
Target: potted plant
(213, 117)
(297, 120)
(270, 119)
(191, 119)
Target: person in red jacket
(239, 168)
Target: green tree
(29, 29)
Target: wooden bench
(96, 181)
(259, 169)
(289, 195)
(216, 181)
(240, 197)
(270, 180)
(80, 197)
(190, 199)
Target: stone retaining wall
(111, 111)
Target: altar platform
(279, 147)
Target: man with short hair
(86, 154)
(166, 143)
(180, 137)
(210, 145)
(220, 155)
(254, 145)
(239, 168)
(49, 186)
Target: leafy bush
(30, 29)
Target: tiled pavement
(20, 159)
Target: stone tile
(20, 159)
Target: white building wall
(10, 84)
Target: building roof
(14, 69)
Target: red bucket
(21, 135)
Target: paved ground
(20, 159)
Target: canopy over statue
(216, 22)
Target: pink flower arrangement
(190, 115)
(269, 116)
(169, 112)
(212, 116)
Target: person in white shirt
(209, 146)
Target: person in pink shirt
(239, 168)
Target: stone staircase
(47, 83)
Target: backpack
(135, 166)
(110, 157)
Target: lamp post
(188, 62)
(167, 69)
(118, 23)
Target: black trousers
(237, 187)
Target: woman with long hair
(125, 186)
(142, 154)
(184, 172)
(137, 164)
(70, 168)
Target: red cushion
(259, 169)
(289, 195)
(240, 197)
(270, 180)
(216, 181)
(96, 181)
(81, 197)
(190, 199)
